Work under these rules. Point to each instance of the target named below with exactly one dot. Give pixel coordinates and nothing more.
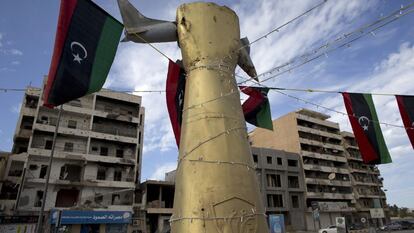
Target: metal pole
(216, 185)
(39, 226)
(19, 193)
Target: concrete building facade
(97, 159)
(366, 182)
(282, 186)
(330, 190)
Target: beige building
(325, 161)
(97, 159)
(366, 182)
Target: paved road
(404, 231)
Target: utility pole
(39, 226)
(216, 185)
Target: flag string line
(153, 46)
(308, 90)
(315, 54)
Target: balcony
(320, 144)
(323, 156)
(62, 130)
(318, 121)
(109, 183)
(319, 132)
(325, 169)
(326, 195)
(328, 182)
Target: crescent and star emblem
(364, 122)
(76, 56)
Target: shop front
(86, 221)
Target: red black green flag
(406, 106)
(367, 131)
(86, 41)
(256, 108)
(175, 90)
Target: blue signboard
(91, 217)
(277, 223)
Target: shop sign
(90, 217)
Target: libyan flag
(256, 108)
(406, 106)
(367, 131)
(86, 41)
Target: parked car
(406, 225)
(330, 229)
(392, 227)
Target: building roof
(312, 113)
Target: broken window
(39, 197)
(48, 144)
(16, 168)
(104, 151)
(98, 198)
(101, 175)
(66, 197)
(68, 146)
(9, 191)
(70, 172)
(117, 175)
(119, 153)
(279, 161)
(116, 199)
(269, 159)
(273, 180)
(295, 201)
(43, 171)
(139, 137)
(94, 148)
(292, 163)
(72, 124)
(293, 182)
(275, 200)
(255, 158)
(44, 119)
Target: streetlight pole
(39, 226)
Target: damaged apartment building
(97, 158)
(337, 183)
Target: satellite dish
(331, 176)
(363, 220)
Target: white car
(330, 229)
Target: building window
(39, 197)
(279, 161)
(98, 198)
(104, 151)
(117, 175)
(273, 180)
(274, 200)
(48, 144)
(139, 137)
(292, 163)
(269, 159)
(72, 124)
(254, 158)
(101, 173)
(43, 171)
(44, 119)
(295, 201)
(95, 149)
(68, 146)
(293, 182)
(116, 199)
(16, 168)
(119, 153)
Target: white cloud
(159, 173)
(15, 63)
(16, 108)
(15, 52)
(1, 37)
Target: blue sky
(383, 62)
